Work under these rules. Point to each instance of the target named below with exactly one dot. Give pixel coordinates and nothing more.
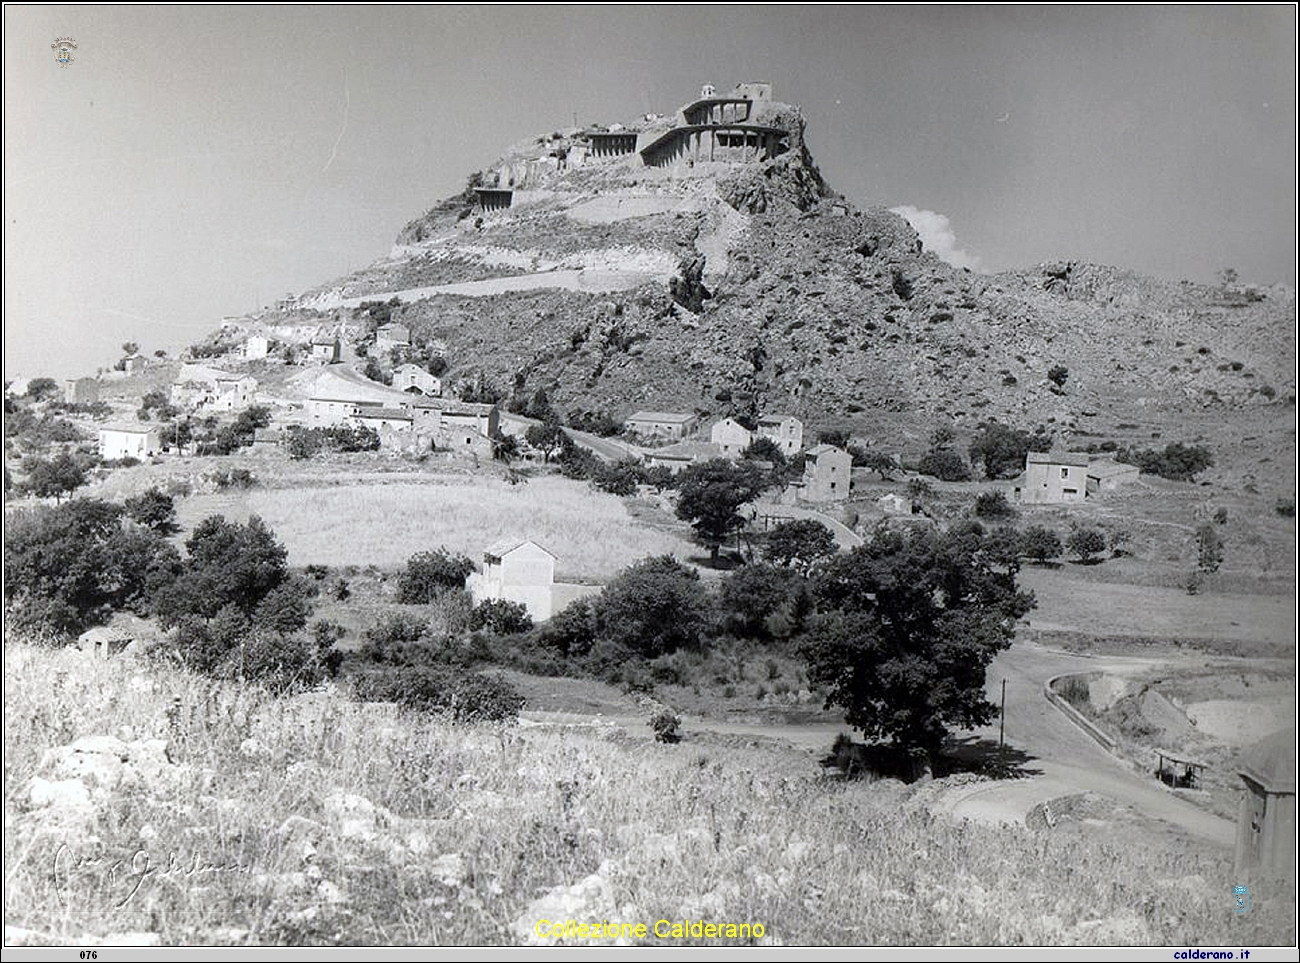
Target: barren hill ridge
(697, 260)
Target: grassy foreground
(314, 820)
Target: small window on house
(469, 440)
(1070, 491)
(1065, 473)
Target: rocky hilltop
(698, 260)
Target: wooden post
(1002, 722)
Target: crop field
(590, 532)
(316, 820)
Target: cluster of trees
(1002, 450)
(942, 461)
(1175, 461)
(236, 609)
(303, 443)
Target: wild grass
(315, 820)
(385, 524)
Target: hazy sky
(199, 161)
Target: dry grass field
(316, 820)
(384, 524)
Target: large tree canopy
(711, 495)
(908, 624)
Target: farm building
(826, 474)
(516, 570)
(410, 377)
(256, 347)
(128, 441)
(134, 363)
(1106, 474)
(895, 504)
(731, 436)
(1053, 477)
(785, 430)
(197, 386)
(104, 641)
(1266, 839)
(390, 336)
(677, 457)
(668, 425)
(325, 350)
(80, 391)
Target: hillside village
(663, 352)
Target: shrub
(571, 631)
(653, 607)
(1285, 507)
(752, 594)
(993, 505)
(1209, 547)
(433, 688)
(1058, 374)
(799, 543)
(155, 510)
(1177, 461)
(945, 465)
(429, 574)
(665, 723)
(397, 639)
(501, 617)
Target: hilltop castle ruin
(744, 126)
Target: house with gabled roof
(785, 430)
(1053, 477)
(731, 436)
(827, 474)
(516, 570)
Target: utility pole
(1002, 722)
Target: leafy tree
(919, 488)
(69, 566)
(429, 574)
(1086, 543)
(1040, 544)
(763, 448)
(1002, 449)
(944, 464)
(227, 564)
(547, 438)
(600, 423)
(155, 510)
(993, 505)
(55, 476)
(761, 601)
(653, 607)
(711, 494)
(799, 544)
(505, 448)
(501, 617)
(619, 478)
(130, 348)
(1058, 374)
(908, 623)
(1209, 548)
(837, 437)
(882, 464)
(572, 630)
(42, 389)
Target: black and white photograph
(575, 477)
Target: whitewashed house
(516, 570)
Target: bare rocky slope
(808, 305)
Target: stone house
(677, 457)
(731, 436)
(785, 430)
(81, 391)
(128, 441)
(325, 350)
(256, 347)
(1266, 838)
(516, 570)
(198, 386)
(411, 377)
(666, 425)
(827, 474)
(1053, 478)
(1106, 475)
(392, 335)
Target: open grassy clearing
(385, 524)
(1069, 604)
(316, 820)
